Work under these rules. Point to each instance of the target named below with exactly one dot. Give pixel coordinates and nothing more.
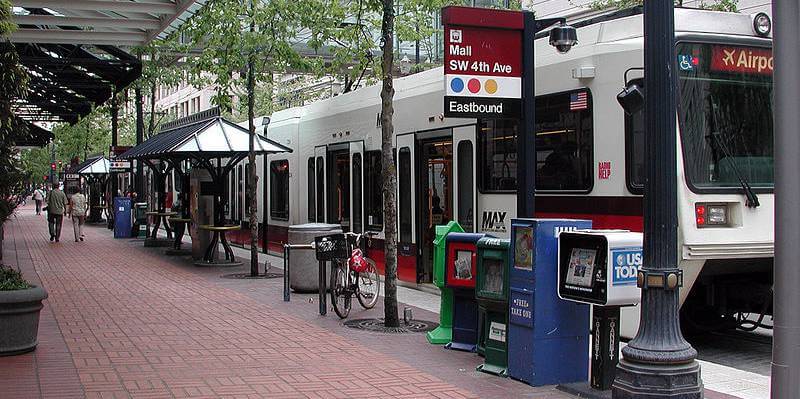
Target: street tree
(257, 39)
(357, 46)
(13, 87)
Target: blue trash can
(548, 337)
(122, 217)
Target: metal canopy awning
(34, 137)
(202, 136)
(74, 50)
(99, 22)
(97, 165)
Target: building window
(466, 212)
(373, 196)
(564, 146)
(279, 189)
(404, 185)
(357, 193)
(312, 212)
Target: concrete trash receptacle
(304, 276)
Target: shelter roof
(203, 135)
(35, 136)
(99, 22)
(97, 165)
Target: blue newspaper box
(122, 217)
(548, 338)
(461, 276)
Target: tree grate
(376, 325)
(247, 276)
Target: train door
(434, 180)
(320, 153)
(357, 187)
(339, 185)
(465, 183)
(406, 188)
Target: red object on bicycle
(357, 262)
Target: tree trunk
(389, 188)
(152, 127)
(251, 157)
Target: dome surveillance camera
(563, 37)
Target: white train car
(589, 158)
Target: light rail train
(589, 160)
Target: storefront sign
(482, 63)
(748, 60)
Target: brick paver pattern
(137, 325)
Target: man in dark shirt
(56, 206)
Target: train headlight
(762, 24)
(708, 215)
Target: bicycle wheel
(340, 294)
(369, 286)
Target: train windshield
(725, 115)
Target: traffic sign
(482, 63)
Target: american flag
(578, 101)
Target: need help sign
(627, 262)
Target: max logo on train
(494, 221)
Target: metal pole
(658, 362)
(139, 138)
(526, 144)
(323, 306)
(286, 293)
(786, 332)
(114, 138)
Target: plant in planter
(20, 303)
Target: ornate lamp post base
(678, 381)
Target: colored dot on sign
(474, 85)
(490, 86)
(457, 85)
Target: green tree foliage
(13, 86)
(718, 5)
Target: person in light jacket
(77, 211)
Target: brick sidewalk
(122, 321)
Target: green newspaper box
(444, 333)
(492, 295)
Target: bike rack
(286, 253)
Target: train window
(563, 146)
(357, 193)
(373, 198)
(279, 189)
(465, 187)
(404, 185)
(240, 194)
(312, 212)
(564, 142)
(634, 148)
(498, 144)
(321, 189)
(246, 208)
(232, 195)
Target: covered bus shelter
(95, 170)
(204, 142)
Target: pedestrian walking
(38, 197)
(77, 211)
(56, 206)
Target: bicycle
(356, 275)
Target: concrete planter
(19, 320)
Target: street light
(658, 362)
(563, 37)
